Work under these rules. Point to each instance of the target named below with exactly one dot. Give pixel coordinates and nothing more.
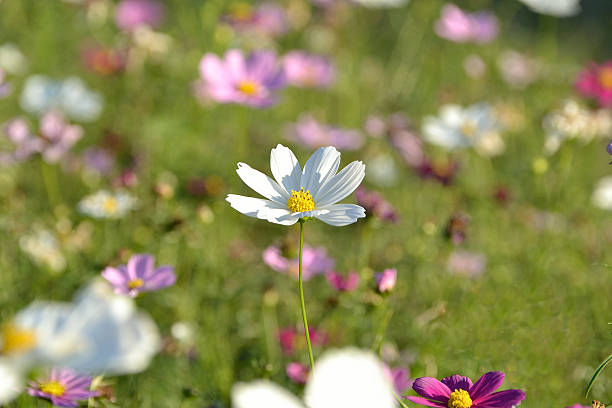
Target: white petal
(262, 209)
(285, 168)
(341, 185)
(340, 215)
(319, 168)
(11, 384)
(349, 378)
(262, 394)
(437, 132)
(262, 184)
(452, 115)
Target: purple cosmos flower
(459, 392)
(312, 134)
(400, 376)
(98, 159)
(267, 19)
(308, 70)
(375, 204)
(385, 281)
(63, 387)
(139, 275)
(18, 133)
(459, 26)
(248, 81)
(297, 372)
(579, 406)
(131, 14)
(314, 261)
(343, 283)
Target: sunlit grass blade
(596, 374)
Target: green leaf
(596, 374)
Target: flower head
(105, 204)
(63, 387)
(459, 392)
(401, 379)
(308, 70)
(311, 133)
(139, 275)
(343, 283)
(376, 205)
(291, 339)
(315, 261)
(297, 372)
(385, 280)
(557, 8)
(295, 193)
(459, 26)
(596, 82)
(132, 14)
(266, 19)
(248, 81)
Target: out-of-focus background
(483, 126)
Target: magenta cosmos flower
(314, 261)
(459, 26)
(385, 280)
(63, 387)
(248, 81)
(459, 392)
(308, 70)
(596, 82)
(342, 283)
(139, 275)
(310, 133)
(267, 19)
(131, 14)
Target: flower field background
(483, 130)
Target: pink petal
(115, 276)
(423, 401)
(486, 384)
(455, 382)
(431, 388)
(140, 266)
(502, 399)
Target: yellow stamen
(135, 284)
(605, 77)
(110, 205)
(459, 399)
(300, 201)
(16, 340)
(248, 87)
(53, 388)
(469, 128)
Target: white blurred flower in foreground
(342, 378)
(557, 8)
(457, 127)
(99, 332)
(296, 193)
(105, 204)
(602, 196)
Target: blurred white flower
(456, 127)
(12, 381)
(382, 170)
(602, 196)
(342, 378)
(11, 59)
(381, 3)
(105, 204)
(557, 8)
(44, 248)
(41, 94)
(99, 332)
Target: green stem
(302, 304)
(382, 328)
(399, 399)
(49, 177)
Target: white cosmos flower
(557, 8)
(99, 332)
(295, 193)
(12, 381)
(343, 378)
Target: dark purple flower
(63, 387)
(248, 81)
(459, 392)
(375, 204)
(131, 14)
(343, 283)
(139, 275)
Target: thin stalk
(382, 328)
(49, 177)
(399, 400)
(302, 304)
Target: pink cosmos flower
(596, 82)
(131, 14)
(312, 134)
(459, 26)
(400, 376)
(297, 372)
(375, 204)
(314, 261)
(308, 70)
(457, 391)
(248, 81)
(63, 387)
(579, 406)
(343, 283)
(385, 281)
(139, 275)
(267, 19)
(290, 339)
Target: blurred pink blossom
(290, 339)
(460, 26)
(596, 82)
(385, 280)
(343, 283)
(375, 205)
(308, 70)
(131, 14)
(310, 133)
(468, 264)
(297, 372)
(314, 261)
(267, 19)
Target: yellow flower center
(249, 88)
(16, 340)
(469, 128)
(52, 388)
(605, 77)
(459, 399)
(300, 201)
(135, 284)
(110, 205)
